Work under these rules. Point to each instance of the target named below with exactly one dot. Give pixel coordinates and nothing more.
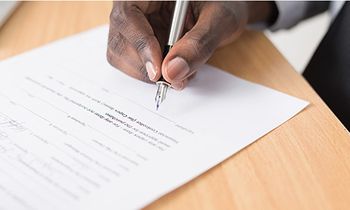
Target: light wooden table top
(303, 164)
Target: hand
(139, 31)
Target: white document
(75, 133)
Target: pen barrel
(178, 21)
(177, 25)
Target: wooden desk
(303, 164)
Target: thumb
(215, 25)
(192, 50)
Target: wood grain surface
(303, 164)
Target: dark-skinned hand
(139, 31)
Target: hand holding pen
(139, 32)
(177, 25)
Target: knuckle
(118, 18)
(142, 43)
(115, 14)
(117, 44)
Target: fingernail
(177, 69)
(150, 70)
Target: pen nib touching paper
(162, 88)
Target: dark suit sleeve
(292, 12)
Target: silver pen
(177, 25)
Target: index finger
(133, 24)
